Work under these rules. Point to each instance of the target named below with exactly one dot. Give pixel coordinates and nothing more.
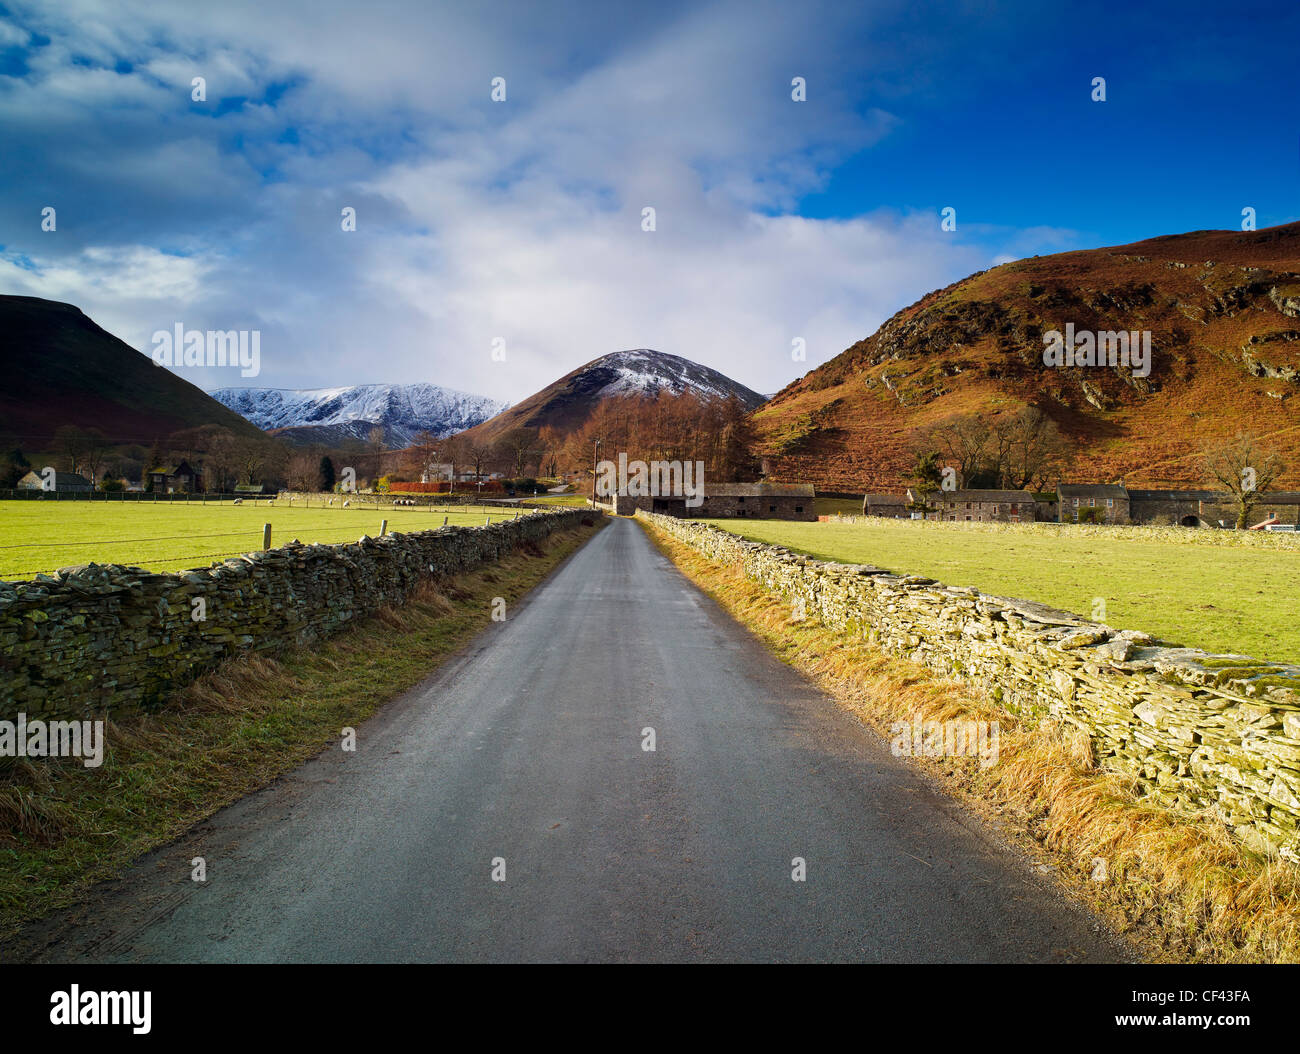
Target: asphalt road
(527, 748)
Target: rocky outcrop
(1207, 735)
(1285, 301)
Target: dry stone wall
(109, 637)
(1203, 734)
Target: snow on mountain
(564, 405)
(642, 371)
(332, 414)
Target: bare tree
(476, 456)
(302, 470)
(219, 465)
(376, 446)
(550, 443)
(1029, 448)
(426, 449)
(515, 448)
(96, 451)
(966, 441)
(1245, 469)
(70, 442)
(249, 459)
(188, 442)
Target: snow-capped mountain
(568, 402)
(329, 415)
(645, 372)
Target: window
(1110, 503)
(1076, 503)
(798, 508)
(771, 508)
(742, 501)
(968, 506)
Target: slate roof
(61, 479)
(1001, 497)
(759, 490)
(1174, 495)
(1092, 490)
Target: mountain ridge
(566, 403)
(1223, 308)
(334, 414)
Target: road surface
(527, 749)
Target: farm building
(438, 472)
(1208, 508)
(173, 479)
(64, 482)
(1092, 503)
(891, 505)
(979, 506)
(1174, 506)
(772, 501)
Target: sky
(499, 244)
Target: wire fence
(289, 499)
(124, 541)
(120, 496)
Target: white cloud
(12, 35)
(475, 220)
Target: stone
(1200, 733)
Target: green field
(843, 506)
(577, 501)
(42, 536)
(1217, 590)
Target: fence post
(266, 536)
(383, 528)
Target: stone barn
(979, 506)
(891, 505)
(771, 501)
(1092, 503)
(64, 482)
(1187, 508)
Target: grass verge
(1181, 889)
(64, 827)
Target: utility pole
(594, 447)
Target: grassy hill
(1223, 308)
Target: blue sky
(521, 220)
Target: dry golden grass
(1179, 887)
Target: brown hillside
(1223, 309)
